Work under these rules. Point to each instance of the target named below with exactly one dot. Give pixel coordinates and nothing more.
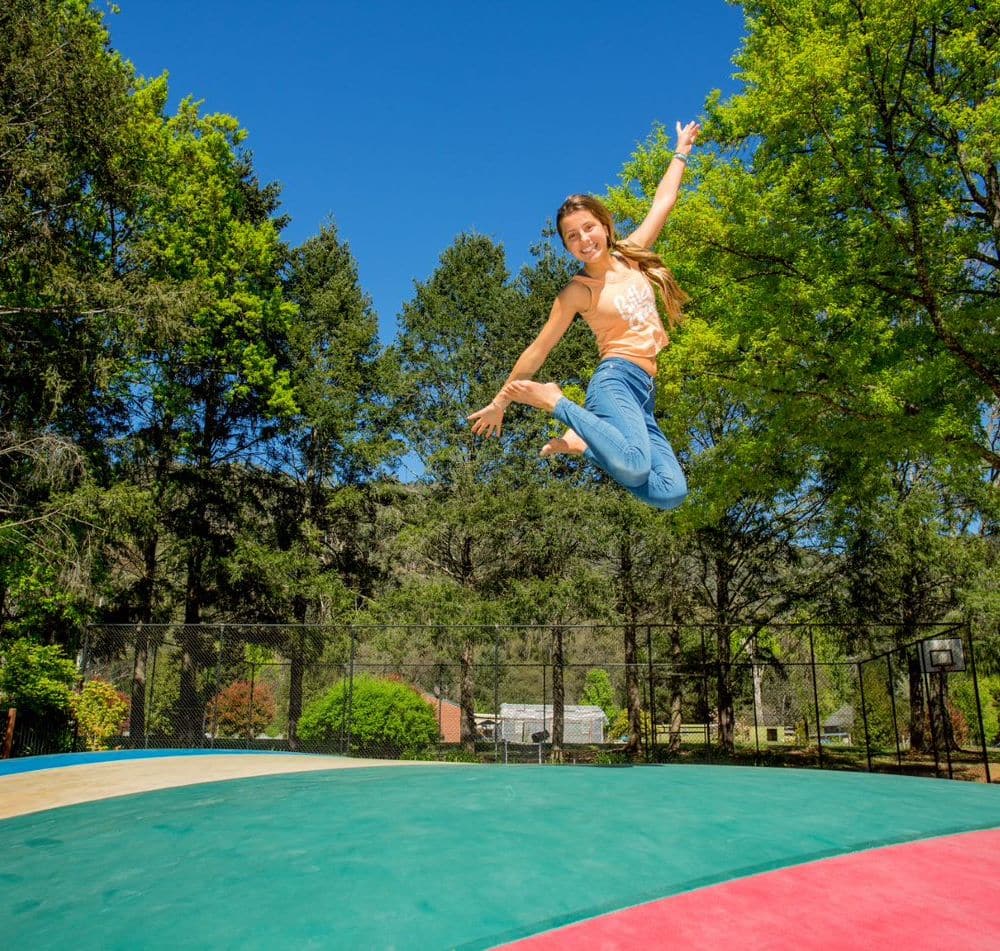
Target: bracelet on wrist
(682, 156)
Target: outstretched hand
(687, 135)
(488, 421)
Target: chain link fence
(781, 693)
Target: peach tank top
(624, 318)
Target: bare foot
(540, 395)
(568, 444)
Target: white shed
(581, 724)
(838, 725)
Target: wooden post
(8, 740)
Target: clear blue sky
(408, 123)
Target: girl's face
(584, 236)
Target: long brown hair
(649, 262)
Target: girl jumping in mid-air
(614, 294)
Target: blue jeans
(622, 436)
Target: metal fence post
(864, 714)
(349, 706)
(139, 639)
(704, 691)
(496, 694)
(946, 727)
(150, 696)
(218, 676)
(753, 701)
(892, 704)
(253, 675)
(652, 694)
(545, 692)
(979, 703)
(85, 654)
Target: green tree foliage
(907, 557)
(70, 175)
(344, 385)
(851, 220)
(453, 624)
(36, 678)
(447, 363)
(203, 387)
(69, 170)
(384, 717)
(907, 549)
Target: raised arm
(665, 196)
(573, 298)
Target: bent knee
(630, 476)
(668, 502)
(671, 496)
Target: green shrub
(611, 758)
(598, 692)
(36, 678)
(460, 755)
(618, 728)
(453, 755)
(877, 710)
(100, 711)
(961, 692)
(387, 717)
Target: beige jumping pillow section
(34, 791)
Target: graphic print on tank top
(638, 306)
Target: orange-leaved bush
(239, 710)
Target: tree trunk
(724, 699)
(189, 712)
(296, 670)
(920, 739)
(558, 694)
(632, 694)
(676, 688)
(724, 674)
(137, 705)
(467, 697)
(147, 588)
(311, 504)
(758, 676)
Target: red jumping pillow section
(936, 893)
